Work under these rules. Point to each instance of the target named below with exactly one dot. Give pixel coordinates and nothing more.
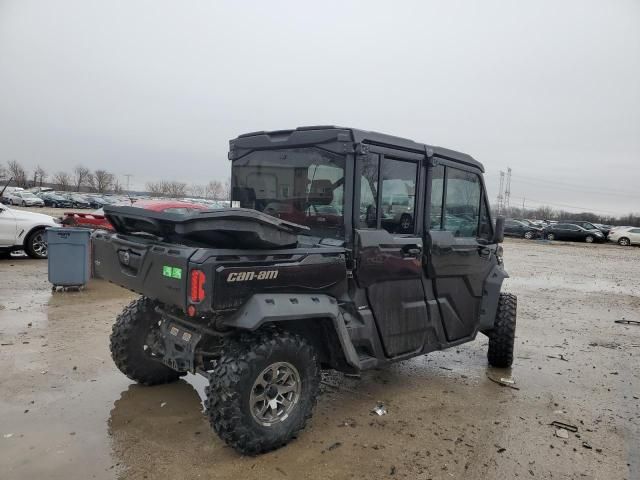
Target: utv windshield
(304, 186)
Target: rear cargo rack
(223, 228)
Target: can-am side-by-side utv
(345, 250)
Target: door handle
(411, 250)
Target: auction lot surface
(67, 413)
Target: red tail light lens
(197, 285)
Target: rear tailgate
(154, 269)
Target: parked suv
(23, 230)
(572, 232)
(259, 305)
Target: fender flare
(491, 297)
(24, 237)
(281, 307)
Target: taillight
(197, 285)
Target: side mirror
(498, 232)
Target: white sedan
(25, 199)
(625, 236)
(23, 230)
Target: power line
(584, 209)
(576, 187)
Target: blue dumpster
(69, 256)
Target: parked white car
(24, 199)
(23, 230)
(625, 236)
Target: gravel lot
(67, 413)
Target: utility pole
(507, 191)
(500, 189)
(128, 175)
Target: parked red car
(97, 220)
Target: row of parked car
(572, 230)
(24, 198)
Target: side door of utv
(460, 256)
(388, 201)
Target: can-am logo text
(248, 276)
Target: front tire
(529, 234)
(624, 241)
(36, 245)
(551, 236)
(128, 340)
(263, 390)
(589, 239)
(502, 336)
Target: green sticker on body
(172, 272)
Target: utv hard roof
(330, 133)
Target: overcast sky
(156, 89)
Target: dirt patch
(67, 413)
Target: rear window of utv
(299, 185)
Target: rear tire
(128, 339)
(551, 236)
(624, 241)
(589, 239)
(503, 335)
(255, 373)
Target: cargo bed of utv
(154, 253)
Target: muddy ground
(67, 413)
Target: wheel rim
(405, 223)
(589, 239)
(624, 242)
(528, 235)
(39, 245)
(550, 236)
(275, 393)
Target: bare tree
(197, 190)
(81, 177)
(62, 180)
(18, 173)
(39, 176)
(214, 189)
(155, 188)
(226, 191)
(3, 173)
(102, 181)
(117, 188)
(176, 189)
